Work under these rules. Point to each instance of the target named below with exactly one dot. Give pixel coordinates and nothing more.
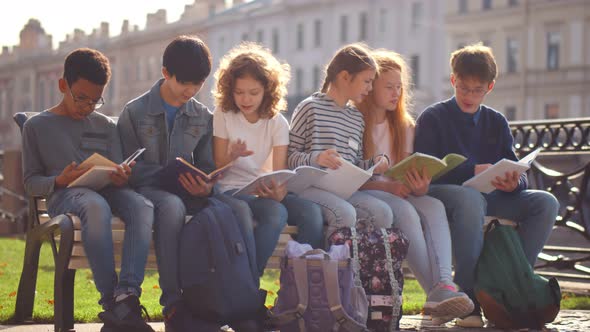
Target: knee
(95, 207)
(383, 215)
(171, 212)
(467, 201)
(405, 213)
(547, 204)
(274, 213)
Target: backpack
(511, 295)
(219, 280)
(318, 295)
(382, 251)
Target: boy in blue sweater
(465, 126)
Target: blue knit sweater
(483, 137)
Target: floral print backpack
(379, 253)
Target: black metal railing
(563, 168)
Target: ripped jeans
(94, 210)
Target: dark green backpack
(511, 295)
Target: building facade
(542, 48)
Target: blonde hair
(400, 120)
(353, 58)
(251, 59)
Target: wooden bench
(65, 237)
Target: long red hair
(400, 119)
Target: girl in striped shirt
(326, 128)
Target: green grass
(86, 296)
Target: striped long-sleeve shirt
(319, 124)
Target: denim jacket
(143, 124)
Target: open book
(100, 169)
(345, 180)
(168, 176)
(483, 180)
(434, 167)
(297, 180)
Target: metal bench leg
(64, 280)
(25, 297)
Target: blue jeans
(270, 218)
(170, 213)
(94, 210)
(534, 211)
(424, 222)
(307, 216)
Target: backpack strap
(300, 277)
(330, 270)
(392, 281)
(356, 265)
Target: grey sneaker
(445, 302)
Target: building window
(512, 3)
(275, 40)
(245, 36)
(553, 40)
(512, 55)
(417, 12)
(551, 111)
(300, 36)
(510, 113)
(343, 28)
(415, 64)
(462, 6)
(260, 36)
(487, 4)
(316, 78)
(299, 81)
(363, 26)
(317, 33)
(221, 45)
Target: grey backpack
(319, 295)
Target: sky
(61, 17)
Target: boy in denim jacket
(170, 123)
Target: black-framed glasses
(87, 103)
(478, 92)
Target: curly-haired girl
(249, 131)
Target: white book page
(95, 178)
(529, 158)
(483, 180)
(280, 177)
(305, 178)
(345, 180)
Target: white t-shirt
(383, 141)
(260, 137)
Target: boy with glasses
(465, 126)
(55, 142)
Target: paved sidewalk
(567, 321)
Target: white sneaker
(474, 321)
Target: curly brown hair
(251, 59)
